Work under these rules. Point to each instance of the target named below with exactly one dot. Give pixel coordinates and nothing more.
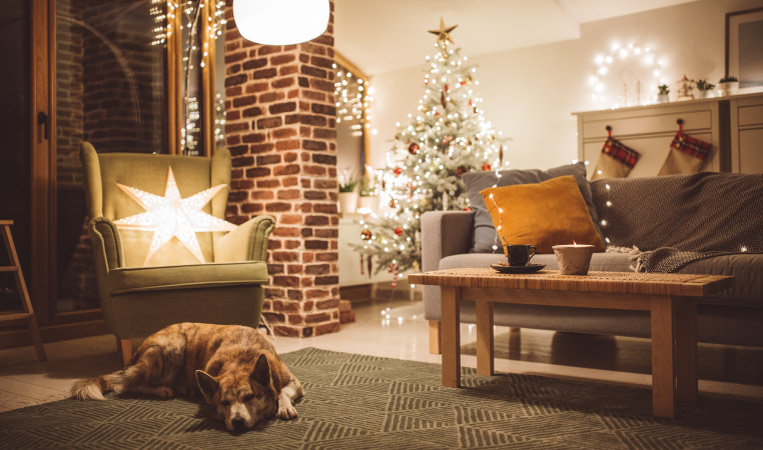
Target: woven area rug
(366, 402)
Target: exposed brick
(316, 244)
(328, 110)
(317, 317)
(326, 304)
(235, 80)
(280, 108)
(281, 131)
(327, 280)
(282, 59)
(320, 158)
(316, 220)
(270, 122)
(289, 169)
(264, 73)
(255, 63)
(268, 159)
(269, 97)
(252, 112)
(331, 327)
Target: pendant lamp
(281, 22)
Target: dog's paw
(286, 412)
(164, 391)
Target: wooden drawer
(641, 123)
(750, 115)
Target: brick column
(281, 131)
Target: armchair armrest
(444, 233)
(107, 245)
(248, 242)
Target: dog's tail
(93, 388)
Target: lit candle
(573, 259)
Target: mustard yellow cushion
(542, 214)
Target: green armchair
(173, 286)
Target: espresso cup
(519, 254)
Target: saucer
(529, 268)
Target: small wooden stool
(28, 313)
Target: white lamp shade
(281, 22)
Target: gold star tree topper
(172, 216)
(443, 34)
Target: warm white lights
(281, 22)
(172, 216)
(636, 84)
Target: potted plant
(368, 201)
(662, 93)
(705, 89)
(728, 86)
(348, 198)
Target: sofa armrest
(248, 242)
(107, 245)
(444, 233)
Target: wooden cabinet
(734, 125)
(747, 134)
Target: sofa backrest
(707, 211)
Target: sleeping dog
(235, 368)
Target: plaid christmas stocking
(687, 155)
(616, 160)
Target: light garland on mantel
(647, 57)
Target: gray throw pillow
(485, 236)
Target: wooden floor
(397, 329)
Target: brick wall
(281, 130)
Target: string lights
(643, 61)
(354, 97)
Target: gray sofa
(734, 318)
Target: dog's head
(240, 394)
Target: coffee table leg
(685, 310)
(485, 338)
(663, 360)
(451, 337)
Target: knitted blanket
(676, 220)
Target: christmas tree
(447, 137)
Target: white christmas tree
(447, 137)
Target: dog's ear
(207, 384)
(261, 373)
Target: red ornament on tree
(486, 167)
(397, 171)
(447, 88)
(460, 170)
(399, 231)
(413, 148)
(462, 82)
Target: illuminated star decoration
(443, 34)
(171, 216)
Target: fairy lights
(643, 63)
(354, 97)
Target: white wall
(530, 93)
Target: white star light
(171, 216)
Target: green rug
(365, 402)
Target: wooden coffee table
(670, 298)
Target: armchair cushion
(188, 276)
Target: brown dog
(236, 369)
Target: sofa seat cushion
(747, 270)
(137, 279)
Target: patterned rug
(366, 402)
